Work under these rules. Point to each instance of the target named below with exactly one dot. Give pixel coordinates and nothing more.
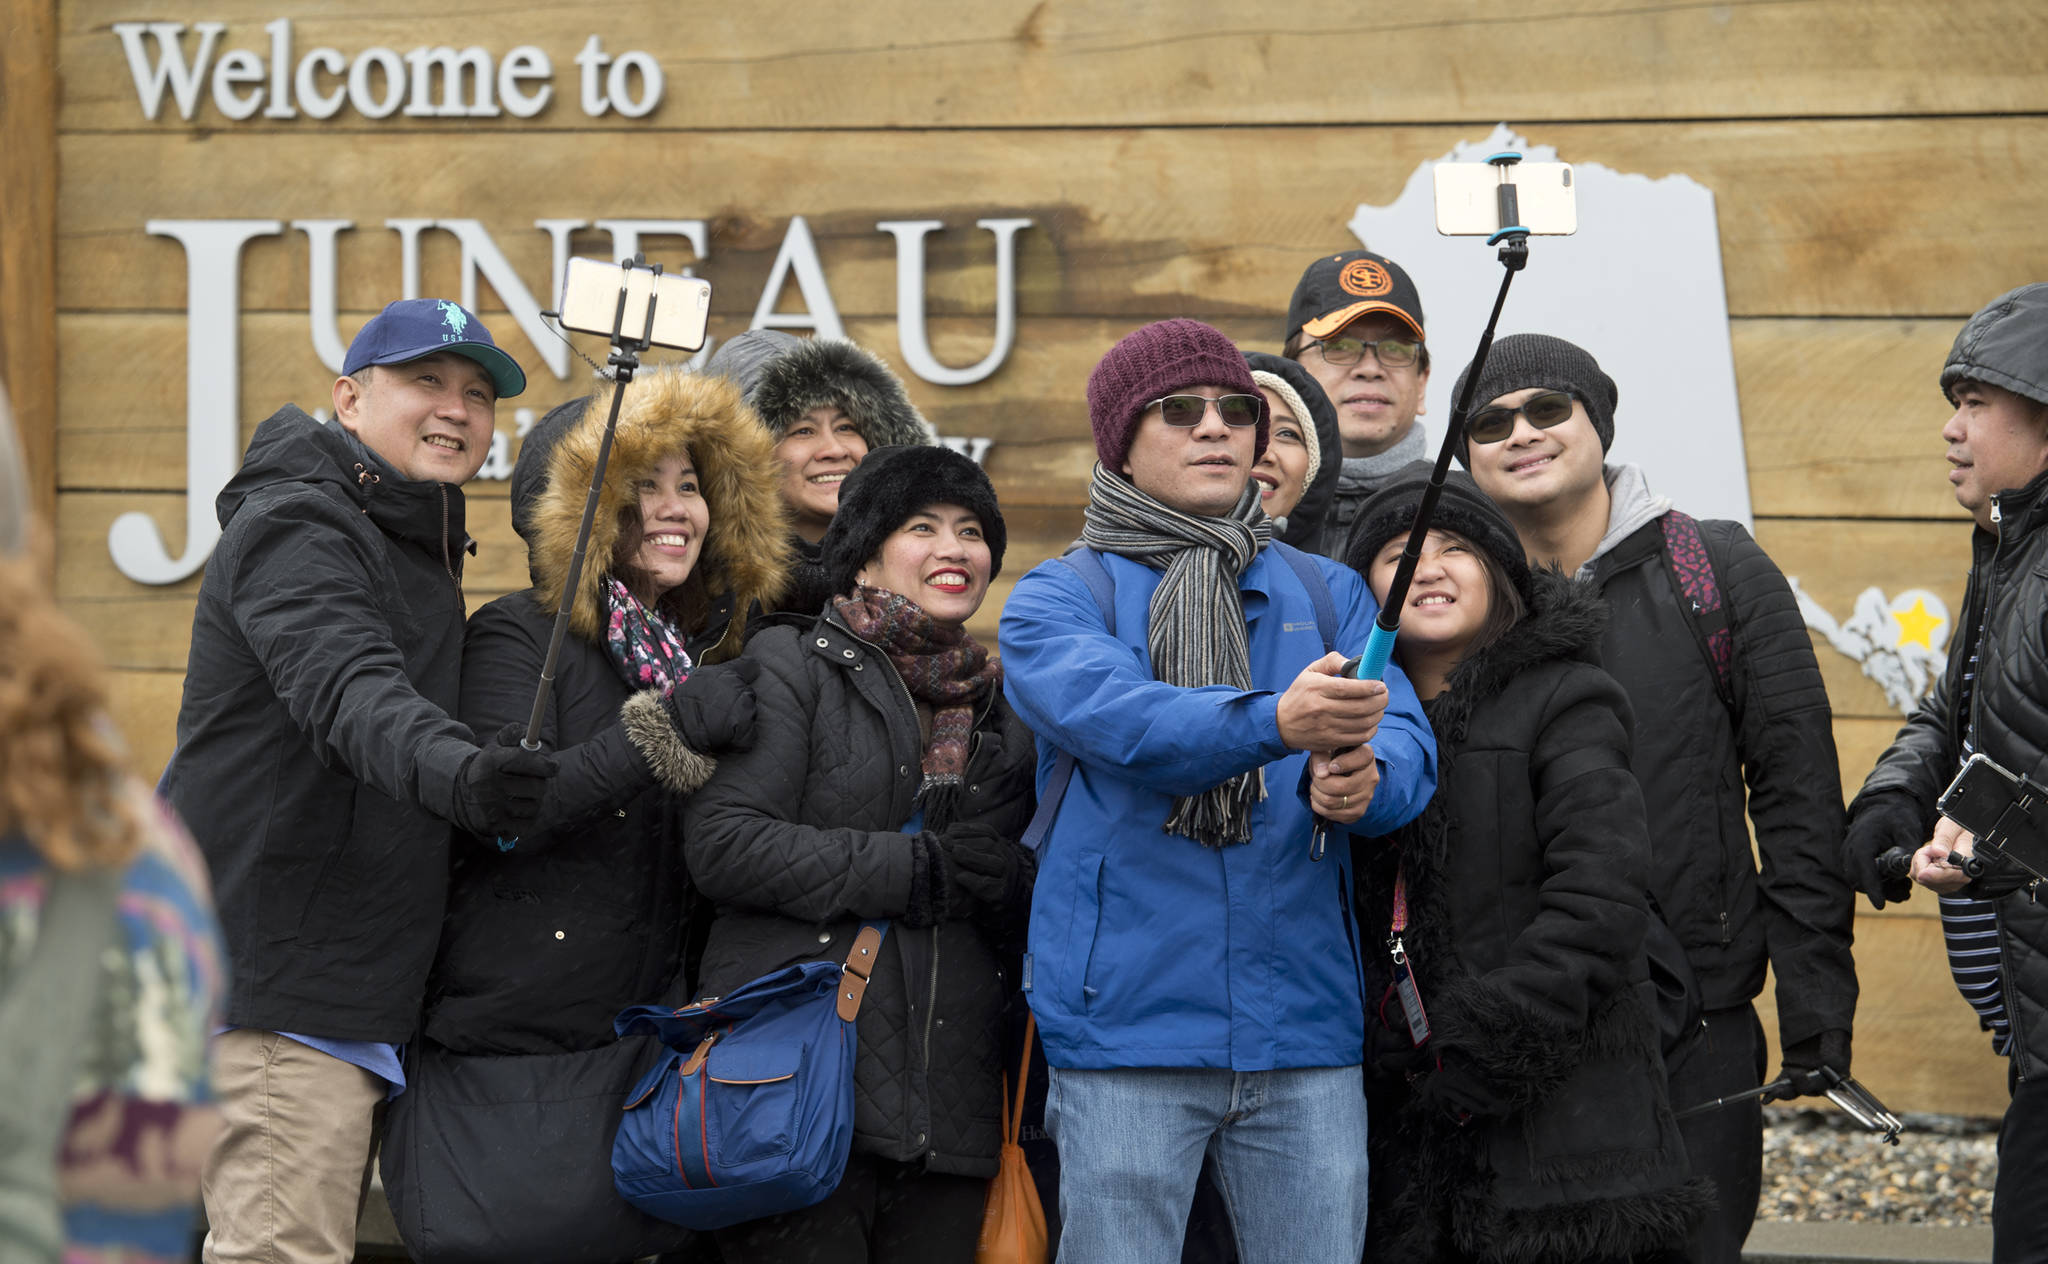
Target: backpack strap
(1311, 577)
(1692, 570)
(1087, 563)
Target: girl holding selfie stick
(1517, 1093)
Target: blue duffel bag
(749, 1111)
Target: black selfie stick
(624, 362)
(1514, 255)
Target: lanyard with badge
(1404, 977)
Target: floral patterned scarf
(643, 644)
(941, 666)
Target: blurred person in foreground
(103, 899)
(1993, 698)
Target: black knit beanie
(1520, 361)
(1463, 508)
(891, 484)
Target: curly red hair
(63, 766)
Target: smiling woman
(890, 779)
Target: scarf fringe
(1195, 629)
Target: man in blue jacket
(1193, 964)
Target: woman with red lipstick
(889, 779)
(548, 935)
(1516, 1085)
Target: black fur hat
(1462, 508)
(890, 485)
(831, 372)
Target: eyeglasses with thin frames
(1393, 353)
(1188, 410)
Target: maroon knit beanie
(1158, 360)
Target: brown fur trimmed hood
(746, 549)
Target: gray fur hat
(13, 487)
(2005, 345)
(832, 372)
(743, 356)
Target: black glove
(1804, 1060)
(931, 885)
(986, 867)
(1390, 1053)
(1459, 1091)
(1882, 821)
(713, 710)
(498, 793)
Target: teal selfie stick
(1379, 647)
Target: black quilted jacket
(1701, 764)
(2007, 720)
(799, 839)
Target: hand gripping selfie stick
(1856, 1101)
(1513, 240)
(624, 362)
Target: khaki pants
(285, 1182)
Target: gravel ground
(1818, 1165)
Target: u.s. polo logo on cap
(455, 318)
(1367, 278)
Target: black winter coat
(2007, 720)
(799, 839)
(1698, 762)
(316, 761)
(587, 913)
(1525, 888)
(590, 911)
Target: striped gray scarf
(1195, 629)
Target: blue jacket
(1151, 950)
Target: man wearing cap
(318, 767)
(1990, 700)
(1192, 961)
(1355, 323)
(1731, 718)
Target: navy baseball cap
(415, 327)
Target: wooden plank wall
(1869, 160)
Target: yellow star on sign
(1917, 624)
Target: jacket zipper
(1976, 704)
(447, 559)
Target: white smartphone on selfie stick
(1468, 198)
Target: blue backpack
(749, 1112)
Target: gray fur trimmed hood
(832, 372)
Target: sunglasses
(1491, 425)
(1187, 410)
(1394, 353)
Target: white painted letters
(910, 327)
(799, 253)
(170, 67)
(213, 447)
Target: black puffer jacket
(1700, 763)
(316, 759)
(2007, 720)
(1525, 886)
(799, 839)
(589, 912)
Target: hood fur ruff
(821, 372)
(746, 550)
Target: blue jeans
(1289, 1149)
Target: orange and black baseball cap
(1338, 289)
